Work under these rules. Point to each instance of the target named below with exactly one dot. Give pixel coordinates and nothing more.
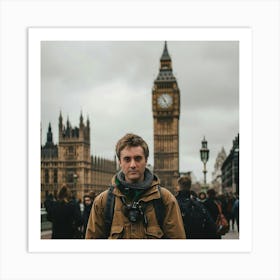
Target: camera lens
(133, 215)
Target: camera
(134, 212)
(133, 215)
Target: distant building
(217, 173)
(230, 169)
(70, 162)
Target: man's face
(133, 164)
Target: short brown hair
(185, 182)
(131, 140)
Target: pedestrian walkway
(232, 234)
(46, 234)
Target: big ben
(166, 114)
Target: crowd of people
(68, 215)
(136, 206)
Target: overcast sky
(111, 83)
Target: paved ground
(46, 234)
(230, 235)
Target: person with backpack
(135, 206)
(198, 223)
(214, 207)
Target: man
(136, 192)
(198, 223)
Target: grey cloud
(111, 82)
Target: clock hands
(165, 101)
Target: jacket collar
(148, 195)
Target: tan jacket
(173, 227)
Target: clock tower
(166, 114)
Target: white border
(243, 35)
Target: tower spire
(60, 120)
(165, 70)
(81, 119)
(49, 134)
(165, 55)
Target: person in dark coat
(229, 201)
(198, 223)
(202, 196)
(235, 211)
(210, 204)
(64, 214)
(88, 201)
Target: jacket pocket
(154, 232)
(116, 232)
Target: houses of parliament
(70, 162)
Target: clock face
(165, 100)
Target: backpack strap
(159, 209)
(109, 211)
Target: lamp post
(204, 155)
(75, 179)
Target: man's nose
(132, 163)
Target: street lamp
(204, 155)
(75, 179)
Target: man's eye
(127, 159)
(138, 158)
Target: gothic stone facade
(217, 173)
(230, 169)
(70, 162)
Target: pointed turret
(49, 134)
(60, 120)
(165, 55)
(165, 71)
(81, 127)
(81, 120)
(60, 126)
(88, 130)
